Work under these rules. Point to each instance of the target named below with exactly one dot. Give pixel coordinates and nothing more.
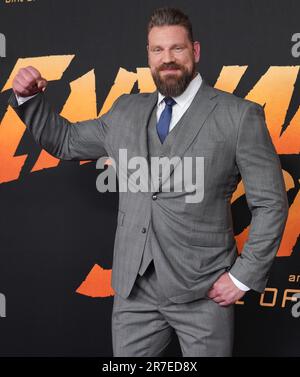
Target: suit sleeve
(260, 169)
(61, 138)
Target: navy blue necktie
(165, 119)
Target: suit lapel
(143, 117)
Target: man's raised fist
(28, 82)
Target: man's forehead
(166, 35)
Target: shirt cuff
(22, 100)
(240, 285)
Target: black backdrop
(55, 226)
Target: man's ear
(196, 46)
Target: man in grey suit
(175, 261)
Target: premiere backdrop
(57, 230)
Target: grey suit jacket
(196, 239)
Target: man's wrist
(22, 100)
(238, 283)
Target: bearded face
(172, 58)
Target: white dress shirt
(22, 100)
(182, 104)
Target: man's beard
(172, 85)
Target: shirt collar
(189, 92)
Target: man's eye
(178, 48)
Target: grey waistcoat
(156, 148)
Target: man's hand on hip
(224, 291)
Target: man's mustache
(169, 66)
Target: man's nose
(167, 57)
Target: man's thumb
(41, 84)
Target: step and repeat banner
(56, 229)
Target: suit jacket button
(144, 230)
(154, 197)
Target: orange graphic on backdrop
(274, 91)
(97, 283)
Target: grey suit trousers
(144, 322)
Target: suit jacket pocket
(127, 221)
(209, 239)
(121, 216)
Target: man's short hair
(171, 16)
